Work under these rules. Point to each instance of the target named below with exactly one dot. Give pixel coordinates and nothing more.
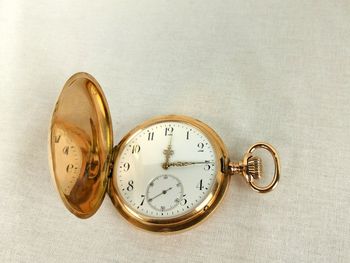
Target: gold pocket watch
(167, 174)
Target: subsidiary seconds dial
(164, 192)
(165, 170)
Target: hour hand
(181, 164)
(167, 152)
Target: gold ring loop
(276, 177)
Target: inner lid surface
(81, 144)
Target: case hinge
(111, 159)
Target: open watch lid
(80, 145)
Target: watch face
(166, 170)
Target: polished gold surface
(277, 169)
(80, 143)
(205, 208)
(252, 169)
(82, 158)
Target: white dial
(165, 170)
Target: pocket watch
(167, 174)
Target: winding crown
(254, 167)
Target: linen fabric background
(275, 71)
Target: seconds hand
(162, 193)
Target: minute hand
(178, 164)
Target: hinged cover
(80, 144)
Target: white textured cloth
(275, 71)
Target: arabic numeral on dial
(207, 167)
(130, 185)
(184, 200)
(66, 150)
(200, 147)
(169, 131)
(69, 167)
(200, 185)
(142, 200)
(57, 138)
(126, 167)
(150, 136)
(135, 148)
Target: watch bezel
(196, 215)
